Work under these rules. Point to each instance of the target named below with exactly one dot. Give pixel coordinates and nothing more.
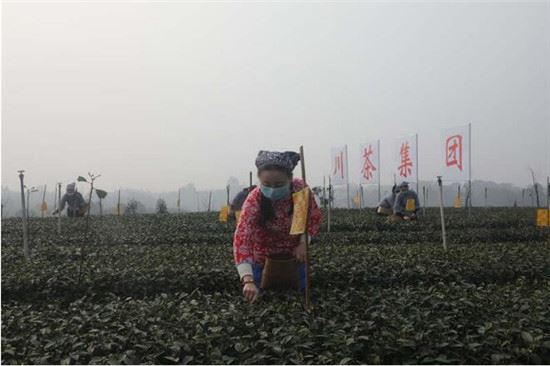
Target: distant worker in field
(265, 253)
(239, 199)
(76, 206)
(406, 203)
(385, 207)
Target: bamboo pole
(306, 235)
(26, 247)
(443, 233)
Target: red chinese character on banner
(339, 165)
(453, 147)
(368, 166)
(405, 168)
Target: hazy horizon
(160, 94)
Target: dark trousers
(74, 212)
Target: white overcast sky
(155, 95)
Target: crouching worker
(266, 255)
(385, 207)
(76, 206)
(238, 201)
(406, 204)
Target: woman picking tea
(264, 250)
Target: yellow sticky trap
(301, 204)
(411, 205)
(458, 202)
(237, 215)
(543, 217)
(356, 201)
(44, 206)
(224, 213)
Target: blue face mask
(275, 193)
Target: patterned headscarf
(286, 160)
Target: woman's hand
(300, 250)
(250, 291)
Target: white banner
(406, 159)
(339, 168)
(370, 162)
(456, 153)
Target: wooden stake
(347, 178)
(179, 200)
(439, 182)
(118, 204)
(379, 170)
(427, 195)
(43, 201)
(28, 202)
(324, 194)
(329, 204)
(26, 248)
(55, 198)
(424, 200)
(469, 169)
(360, 196)
(306, 235)
(59, 208)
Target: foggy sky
(156, 95)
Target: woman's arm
(243, 244)
(244, 237)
